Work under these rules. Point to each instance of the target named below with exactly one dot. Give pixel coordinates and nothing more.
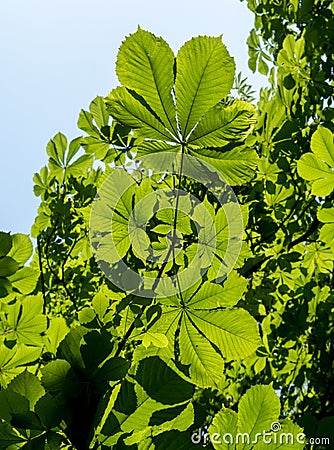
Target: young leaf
(12, 360)
(128, 110)
(234, 331)
(258, 409)
(24, 280)
(55, 333)
(318, 166)
(222, 125)
(99, 112)
(145, 64)
(237, 165)
(206, 365)
(27, 321)
(205, 73)
(56, 149)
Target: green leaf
(55, 333)
(322, 145)
(258, 413)
(55, 375)
(97, 346)
(234, 287)
(8, 266)
(318, 166)
(56, 148)
(289, 437)
(24, 280)
(54, 440)
(96, 146)
(69, 348)
(50, 411)
(327, 234)
(205, 73)
(27, 420)
(9, 436)
(165, 415)
(161, 383)
(12, 403)
(326, 215)
(108, 210)
(225, 423)
(5, 243)
(234, 331)
(35, 443)
(208, 296)
(181, 422)
(27, 320)
(5, 287)
(262, 66)
(237, 166)
(206, 365)
(128, 110)
(80, 166)
(85, 123)
(99, 112)
(258, 409)
(145, 64)
(42, 181)
(130, 412)
(86, 315)
(27, 385)
(222, 125)
(171, 440)
(112, 370)
(12, 360)
(148, 147)
(100, 303)
(156, 339)
(73, 149)
(311, 168)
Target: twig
(129, 331)
(39, 249)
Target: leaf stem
(39, 249)
(171, 249)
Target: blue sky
(56, 56)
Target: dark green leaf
(162, 383)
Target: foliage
(90, 361)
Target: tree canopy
(180, 291)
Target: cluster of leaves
(292, 232)
(84, 364)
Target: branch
(41, 272)
(255, 267)
(308, 233)
(62, 282)
(129, 331)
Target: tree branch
(308, 233)
(39, 249)
(129, 331)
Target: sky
(56, 56)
